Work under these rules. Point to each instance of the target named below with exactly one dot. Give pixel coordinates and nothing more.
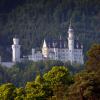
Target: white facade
(15, 50)
(72, 53)
(62, 51)
(36, 56)
(7, 64)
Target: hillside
(35, 20)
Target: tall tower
(71, 43)
(16, 50)
(55, 51)
(45, 49)
(70, 38)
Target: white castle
(71, 51)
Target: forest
(57, 81)
(31, 22)
(34, 20)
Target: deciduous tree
(93, 62)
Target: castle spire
(44, 44)
(45, 49)
(70, 24)
(70, 31)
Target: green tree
(20, 92)
(34, 90)
(93, 62)
(39, 79)
(7, 91)
(86, 87)
(4, 76)
(58, 78)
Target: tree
(7, 91)
(20, 94)
(86, 87)
(58, 78)
(93, 62)
(35, 90)
(39, 79)
(4, 76)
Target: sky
(7, 5)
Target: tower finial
(15, 36)
(70, 24)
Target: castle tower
(70, 38)
(55, 51)
(16, 50)
(71, 43)
(45, 50)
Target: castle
(71, 51)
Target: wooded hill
(57, 83)
(39, 19)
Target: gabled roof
(61, 43)
(77, 44)
(54, 43)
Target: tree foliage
(93, 62)
(86, 86)
(57, 83)
(58, 78)
(7, 91)
(58, 75)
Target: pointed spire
(54, 47)
(70, 30)
(77, 45)
(70, 24)
(44, 44)
(53, 44)
(15, 36)
(81, 46)
(64, 44)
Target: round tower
(70, 38)
(16, 50)
(71, 43)
(45, 50)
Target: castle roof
(61, 43)
(56, 43)
(77, 44)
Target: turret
(45, 50)
(16, 50)
(70, 38)
(55, 51)
(71, 43)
